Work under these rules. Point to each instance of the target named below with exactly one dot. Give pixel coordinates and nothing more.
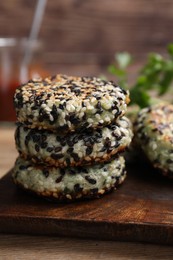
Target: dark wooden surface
(42, 247)
(140, 210)
(88, 33)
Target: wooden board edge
(129, 232)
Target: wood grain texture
(36, 248)
(41, 247)
(90, 32)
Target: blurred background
(80, 37)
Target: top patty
(68, 103)
(154, 133)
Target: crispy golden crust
(87, 161)
(65, 103)
(73, 197)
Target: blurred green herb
(156, 75)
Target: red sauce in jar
(7, 112)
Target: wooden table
(42, 247)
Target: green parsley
(156, 75)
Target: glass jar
(11, 57)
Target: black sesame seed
(25, 129)
(63, 128)
(70, 150)
(109, 150)
(83, 104)
(169, 161)
(46, 172)
(40, 118)
(84, 170)
(59, 179)
(30, 116)
(99, 105)
(49, 149)
(27, 139)
(89, 150)
(71, 171)
(118, 137)
(95, 190)
(77, 188)
(37, 148)
(75, 157)
(57, 156)
(117, 178)
(145, 138)
(61, 106)
(17, 136)
(90, 180)
(22, 167)
(27, 123)
(124, 91)
(73, 119)
(91, 140)
(118, 167)
(62, 171)
(118, 113)
(100, 124)
(70, 142)
(68, 161)
(57, 149)
(19, 102)
(63, 142)
(107, 142)
(154, 130)
(103, 149)
(75, 139)
(77, 91)
(36, 138)
(98, 134)
(116, 144)
(44, 145)
(54, 113)
(100, 111)
(67, 117)
(34, 107)
(58, 138)
(123, 171)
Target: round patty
(65, 103)
(100, 145)
(154, 133)
(69, 183)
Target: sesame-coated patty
(74, 149)
(69, 183)
(65, 103)
(154, 133)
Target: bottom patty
(69, 183)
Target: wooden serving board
(140, 210)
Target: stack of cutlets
(69, 134)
